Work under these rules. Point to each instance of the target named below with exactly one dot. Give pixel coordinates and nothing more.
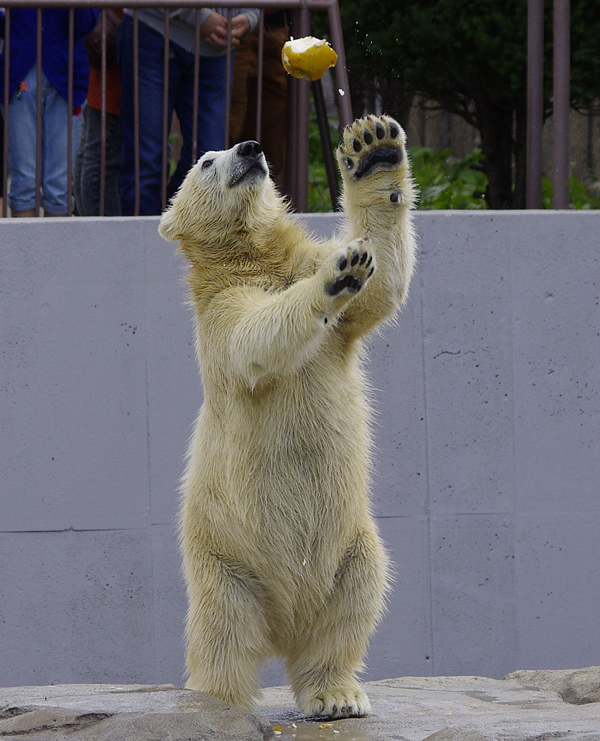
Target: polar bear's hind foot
(337, 703)
(371, 144)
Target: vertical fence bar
(303, 91)
(136, 108)
(196, 89)
(535, 102)
(328, 158)
(341, 71)
(228, 80)
(6, 113)
(165, 157)
(70, 113)
(562, 103)
(103, 64)
(291, 137)
(38, 113)
(259, 73)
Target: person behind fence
(22, 134)
(211, 94)
(242, 121)
(88, 164)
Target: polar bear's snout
(250, 149)
(248, 163)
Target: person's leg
(55, 118)
(21, 148)
(88, 165)
(112, 202)
(151, 64)
(211, 111)
(274, 102)
(244, 70)
(86, 176)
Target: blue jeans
(86, 173)
(211, 112)
(22, 147)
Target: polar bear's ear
(167, 227)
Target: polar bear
(282, 557)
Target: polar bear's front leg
(275, 334)
(377, 198)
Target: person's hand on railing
(240, 26)
(214, 29)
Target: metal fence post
(562, 103)
(535, 101)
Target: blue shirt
(55, 48)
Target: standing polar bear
(281, 553)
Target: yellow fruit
(307, 57)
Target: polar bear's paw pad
(353, 266)
(339, 704)
(370, 144)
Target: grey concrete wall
(488, 460)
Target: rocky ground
(525, 706)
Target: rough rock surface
(578, 687)
(103, 712)
(525, 706)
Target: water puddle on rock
(319, 730)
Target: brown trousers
(242, 122)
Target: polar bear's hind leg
(226, 632)
(322, 668)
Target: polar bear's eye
(206, 164)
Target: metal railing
(561, 103)
(296, 170)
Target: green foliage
(454, 51)
(446, 182)
(319, 198)
(442, 181)
(469, 57)
(580, 197)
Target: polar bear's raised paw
(352, 267)
(370, 144)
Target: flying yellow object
(307, 57)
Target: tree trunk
(496, 129)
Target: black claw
(342, 264)
(394, 131)
(368, 137)
(380, 131)
(357, 146)
(348, 162)
(371, 271)
(363, 258)
(394, 197)
(354, 258)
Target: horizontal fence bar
(278, 4)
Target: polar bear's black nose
(250, 149)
